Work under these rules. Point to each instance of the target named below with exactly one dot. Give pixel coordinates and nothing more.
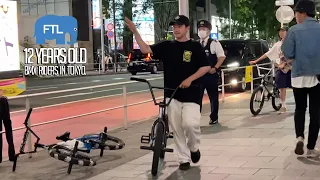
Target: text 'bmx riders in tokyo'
(55, 61)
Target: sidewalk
(241, 147)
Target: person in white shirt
(283, 74)
(216, 56)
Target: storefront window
(37, 7)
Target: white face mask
(202, 34)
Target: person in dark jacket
(5, 119)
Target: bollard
(251, 81)
(99, 68)
(222, 85)
(29, 124)
(125, 107)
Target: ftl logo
(55, 61)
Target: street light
(230, 19)
(102, 36)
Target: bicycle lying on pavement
(160, 129)
(70, 150)
(266, 93)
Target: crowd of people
(188, 62)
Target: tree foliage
(255, 18)
(164, 12)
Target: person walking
(283, 74)
(301, 46)
(184, 61)
(5, 119)
(216, 57)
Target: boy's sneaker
(184, 166)
(312, 153)
(299, 146)
(195, 156)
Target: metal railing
(124, 106)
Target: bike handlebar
(152, 94)
(268, 69)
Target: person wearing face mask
(301, 46)
(216, 56)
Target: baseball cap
(204, 23)
(180, 20)
(305, 6)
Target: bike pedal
(145, 139)
(146, 148)
(168, 150)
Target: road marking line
(87, 93)
(34, 89)
(79, 89)
(118, 78)
(72, 83)
(72, 102)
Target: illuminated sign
(9, 43)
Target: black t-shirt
(181, 60)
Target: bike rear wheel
(157, 148)
(253, 100)
(65, 154)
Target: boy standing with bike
(184, 62)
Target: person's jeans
(301, 97)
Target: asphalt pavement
(54, 86)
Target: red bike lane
(86, 124)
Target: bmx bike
(70, 150)
(266, 92)
(159, 135)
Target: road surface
(114, 87)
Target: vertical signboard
(96, 14)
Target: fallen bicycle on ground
(70, 150)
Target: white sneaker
(299, 146)
(313, 153)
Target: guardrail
(125, 104)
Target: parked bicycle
(265, 92)
(160, 129)
(70, 150)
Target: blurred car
(139, 62)
(238, 53)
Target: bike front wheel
(255, 98)
(65, 154)
(104, 141)
(157, 148)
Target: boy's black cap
(306, 6)
(204, 23)
(180, 20)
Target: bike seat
(64, 137)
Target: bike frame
(162, 108)
(37, 144)
(25, 137)
(264, 81)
